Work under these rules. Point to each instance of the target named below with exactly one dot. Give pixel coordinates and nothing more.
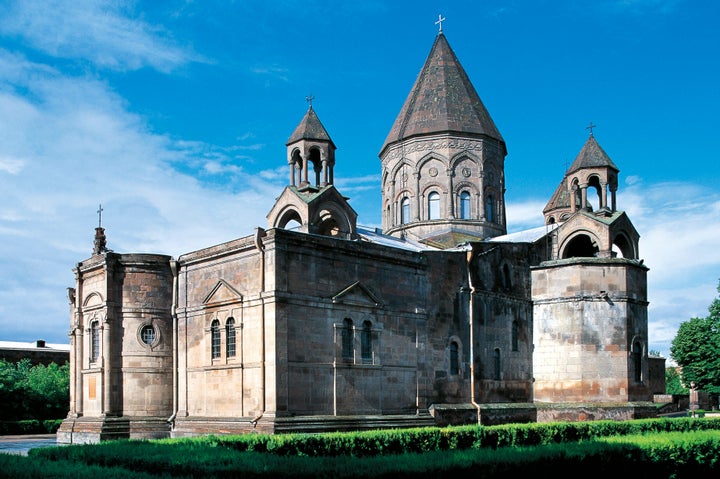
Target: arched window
(347, 339)
(454, 359)
(490, 208)
(366, 343)
(405, 210)
(434, 206)
(506, 278)
(147, 334)
(515, 335)
(94, 341)
(496, 364)
(230, 341)
(637, 357)
(215, 339)
(465, 205)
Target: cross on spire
(310, 99)
(590, 127)
(99, 212)
(439, 21)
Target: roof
(442, 100)
(33, 345)
(374, 236)
(525, 236)
(591, 156)
(309, 128)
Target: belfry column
(324, 171)
(603, 194)
(583, 196)
(418, 200)
(481, 208)
(305, 170)
(453, 196)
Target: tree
(696, 349)
(33, 392)
(673, 385)
(47, 391)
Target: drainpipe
(259, 235)
(471, 313)
(173, 312)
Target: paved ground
(21, 444)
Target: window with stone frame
(434, 206)
(465, 205)
(366, 346)
(454, 359)
(490, 208)
(515, 335)
(496, 364)
(230, 348)
(147, 334)
(347, 340)
(637, 359)
(405, 210)
(215, 339)
(94, 341)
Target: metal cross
(99, 212)
(439, 21)
(309, 99)
(590, 127)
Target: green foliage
(696, 349)
(38, 392)
(673, 384)
(647, 448)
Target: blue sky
(174, 116)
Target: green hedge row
(29, 426)
(658, 455)
(397, 441)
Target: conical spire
(591, 156)
(309, 128)
(442, 100)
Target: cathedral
(314, 323)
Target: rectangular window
(94, 341)
(230, 342)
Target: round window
(147, 334)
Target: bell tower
(311, 203)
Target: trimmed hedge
(659, 455)
(397, 441)
(29, 426)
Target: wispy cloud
(108, 34)
(69, 144)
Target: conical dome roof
(442, 100)
(309, 128)
(591, 156)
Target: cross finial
(439, 21)
(99, 212)
(590, 127)
(309, 99)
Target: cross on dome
(439, 22)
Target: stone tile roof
(442, 100)
(591, 156)
(309, 128)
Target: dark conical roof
(309, 128)
(591, 156)
(442, 100)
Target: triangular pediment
(357, 294)
(222, 293)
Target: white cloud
(105, 33)
(68, 144)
